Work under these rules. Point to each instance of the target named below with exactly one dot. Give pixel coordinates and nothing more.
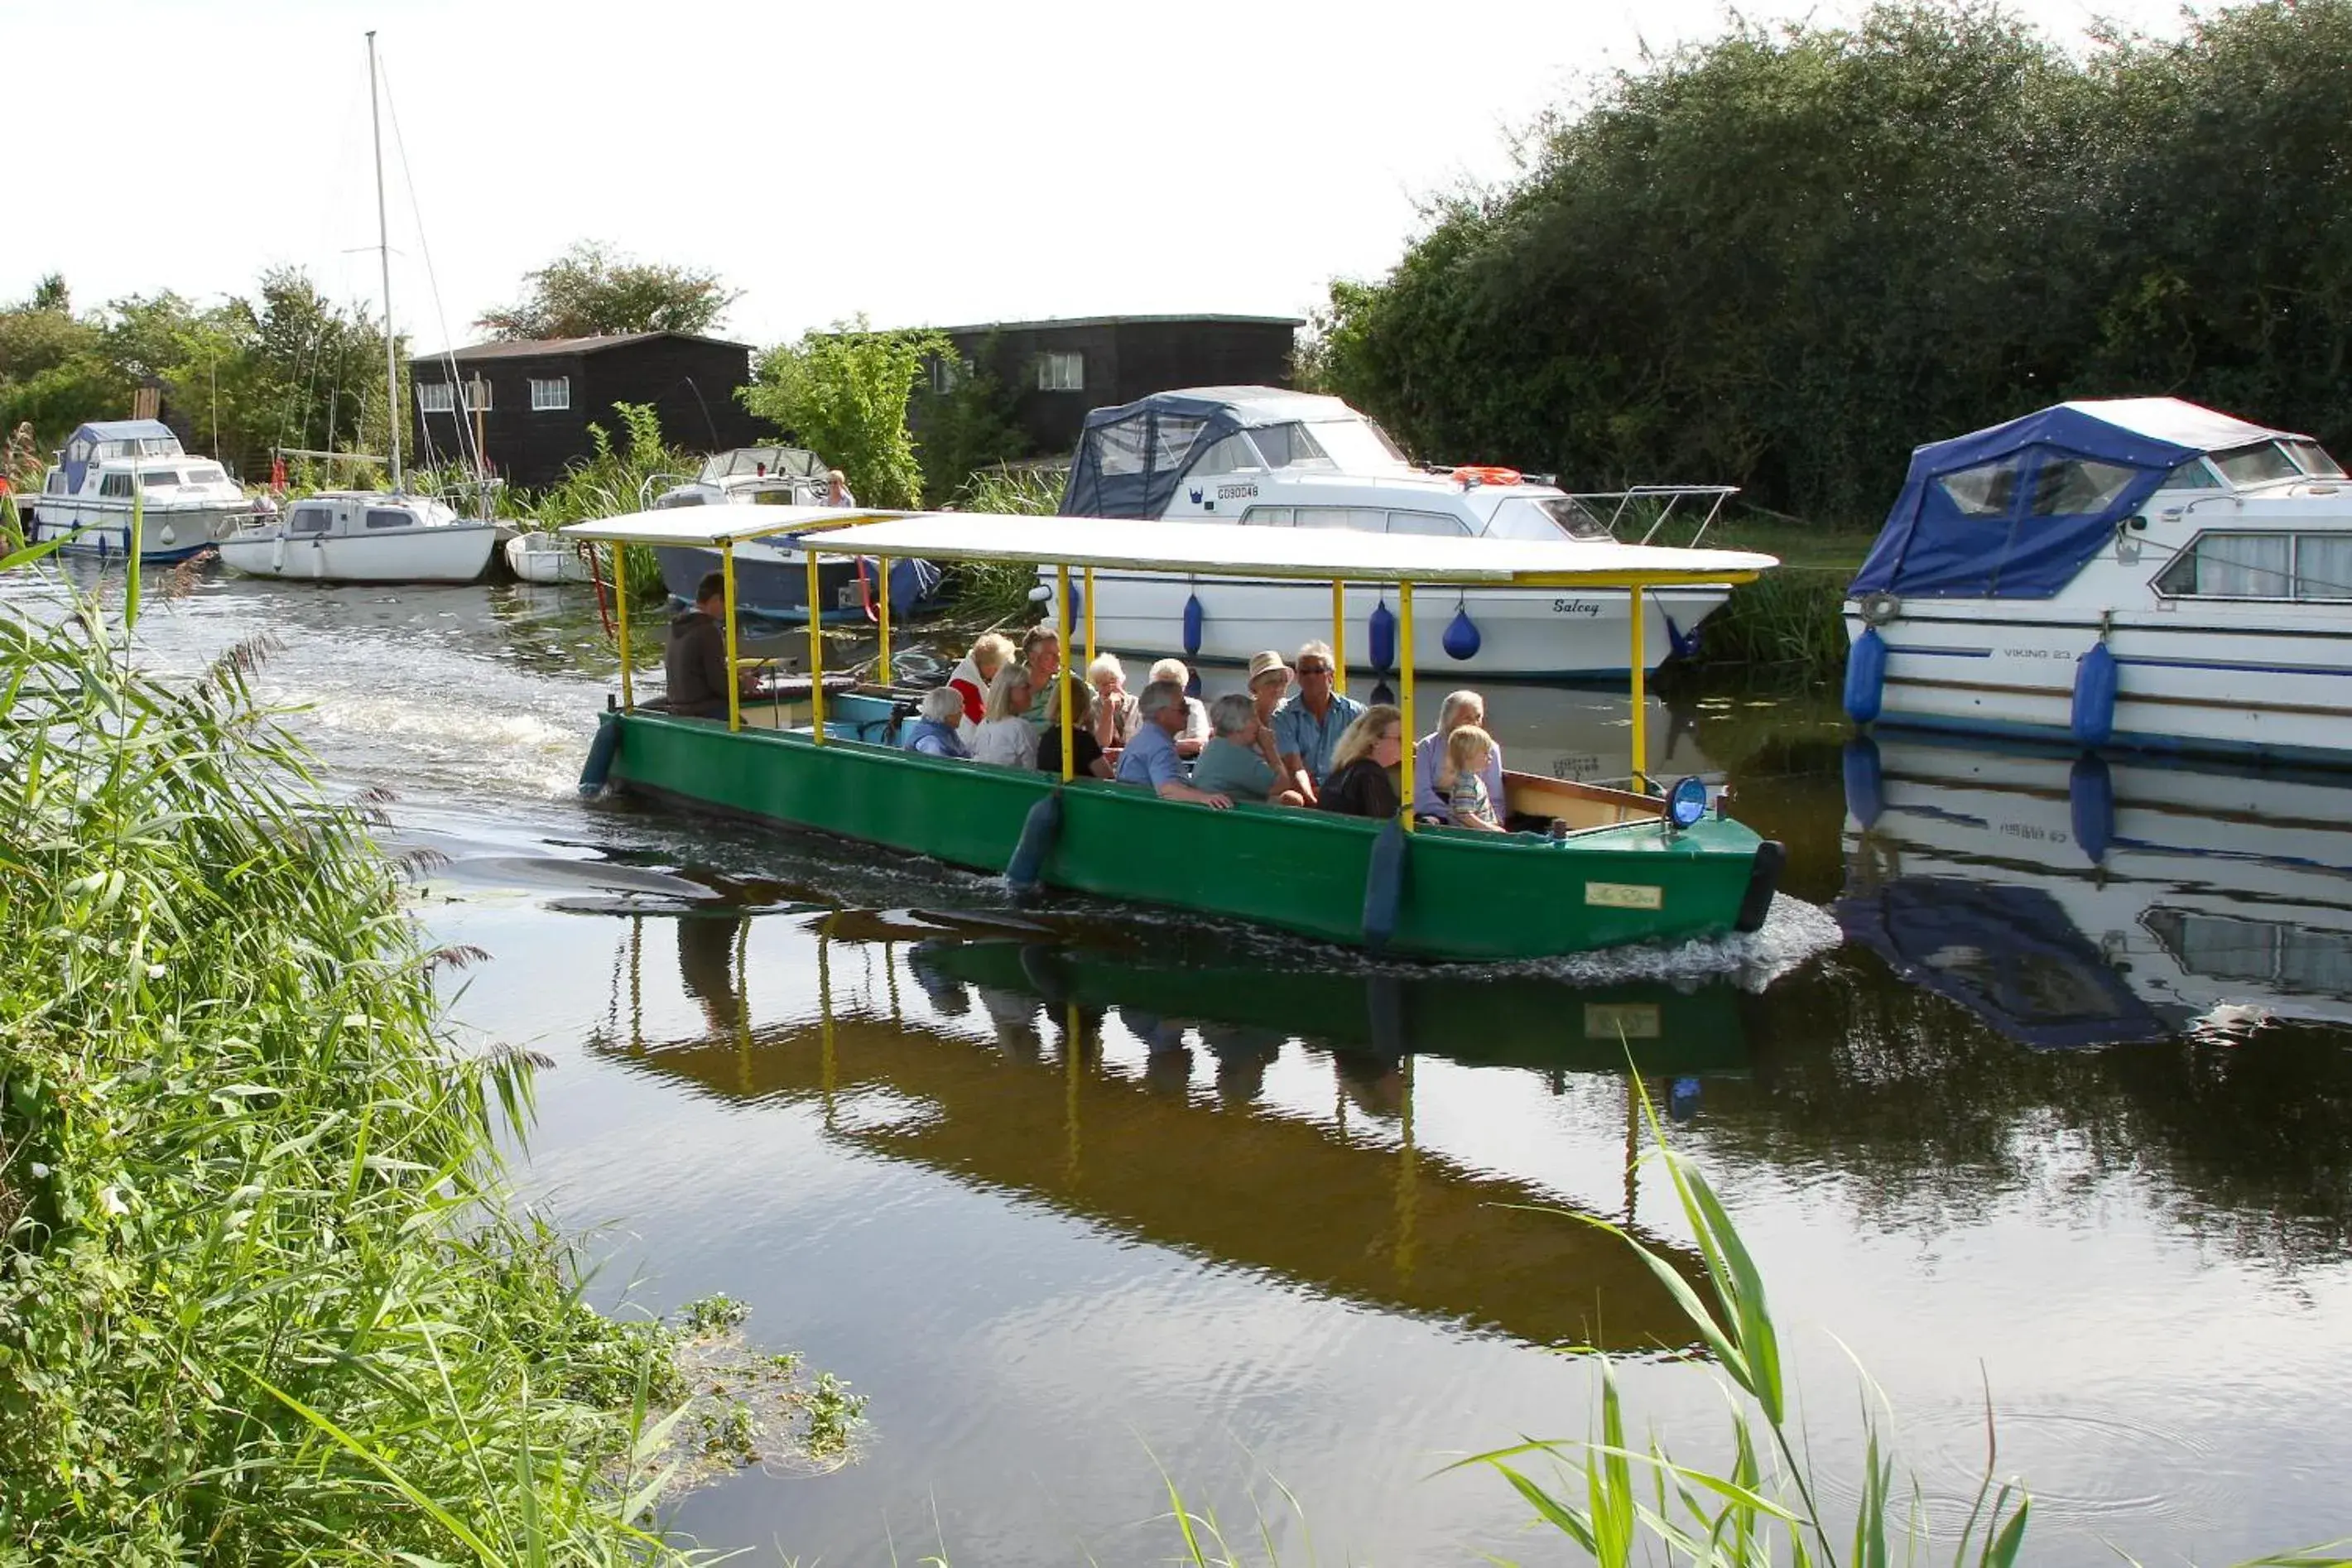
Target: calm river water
(2039, 1079)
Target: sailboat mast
(383, 253)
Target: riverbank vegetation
(263, 1297)
(1783, 258)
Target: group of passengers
(1314, 747)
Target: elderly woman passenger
(1459, 708)
(1231, 763)
(992, 653)
(933, 734)
(1005, 737)
(1151, 758)
(1116, 715)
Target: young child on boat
(1462, 780)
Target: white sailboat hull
(1522, 633)
(454, 552)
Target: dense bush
(1786, 258)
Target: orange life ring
(1483, 474)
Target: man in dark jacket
(696, 660)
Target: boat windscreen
(2259, 464)
(2316, 460)
(1545, 517)
(1354, 446)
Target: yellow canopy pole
(882, 591)
(1404, 690)
(1090, 617)
(1640, 712)
(816, 648)
(734, 679)
(1339, 636)
(1062, 665)
(621, 613)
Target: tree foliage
(590, 290)
(1785, 258)
(842, 393)
(283, 367)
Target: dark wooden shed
(539, 396)
(1056, 370)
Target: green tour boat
(1617, 866)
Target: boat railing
(1658, 504)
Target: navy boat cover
(2015, 511)
(81, 447)
(1131, 457)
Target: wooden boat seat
(1581, 805)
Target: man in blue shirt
(1151, 758)
(1307, 727)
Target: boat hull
(166, 533)
(2272, 685)
(553, 560)
(1522, 633)
(457, 553)
(771, 582)
(1465, 897)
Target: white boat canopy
(1208, 549)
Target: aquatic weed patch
(261, 1297)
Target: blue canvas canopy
(83, 445)
(2015, 511)
(1131, 458)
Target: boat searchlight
(1686, 803)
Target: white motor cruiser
(2136, 571)
(364, 536)
(1274, 458)
(110, 467)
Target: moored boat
(363, 536)
(543, 558)
(2139, 573)
(110, 469)
(1619, 867)
(1265, 458)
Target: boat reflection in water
(1066, 1075)
(2078, 901)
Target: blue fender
(1384, 885)
(1193, 614)
(2095, 696)
(1384, 628)
(2091, 803)
(1865, 795)
(1039, 834)
(600, 751)
(1866, 677)
(1462, 638)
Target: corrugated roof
(531, 348)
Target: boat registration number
(1624, 896)
(1620, 1020)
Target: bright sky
(920, 162)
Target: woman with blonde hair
(1359, 783)
(1196, 730)
(1005, 737)
(1086, 758)
(1115, 712)
(989, 655)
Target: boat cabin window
(2195, 474)
(389, 517)
(1432, 524)
(1989, 489)
(2256, 465)
(160, 477)
(207, 474)
(1361, 519)
(1234, 452)
(1267, 516)
(2261, 566)
(114, 485)
(2316, 460)
(1291, 447)
(56, 485)
(311, 519)
(1545, 517)
(2076, 487)
(2231, 947)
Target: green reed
(262, 1298)
(994, 592)
(1789, 619)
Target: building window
(1064, 372)
(947, 371)
(555, 393)
(435, 397)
